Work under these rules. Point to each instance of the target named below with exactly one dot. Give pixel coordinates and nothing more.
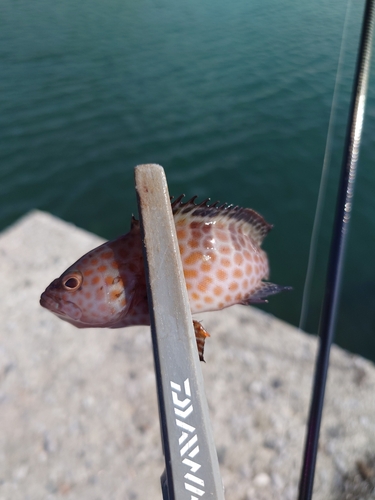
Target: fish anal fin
(200, 335)
(265, 290)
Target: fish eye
(72, 282)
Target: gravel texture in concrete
(78, 411)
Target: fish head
(96, 291)
(62, 296)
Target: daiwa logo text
(188, 440)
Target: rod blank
(337, 251)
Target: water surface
(232, 98)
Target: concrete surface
(78, 413)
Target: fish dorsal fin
(250, 221)
(134, 225)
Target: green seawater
(232, 98)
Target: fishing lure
(222, 259)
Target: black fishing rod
(337, 250)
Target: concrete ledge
(78, 413)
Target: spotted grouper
(222, 260)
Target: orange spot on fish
(95, 280)
(193, 258)
(114, 295)
(221, 275)
(106, 255)
(88, 295)
(204, 284)
(208, 243)
(206, 267)
(233, 286)
(249, 268)
(108, 280)
(222, 236)
(247, 255)
(237, 273)
(218, 290)
(208, 300)
(238, 297)
(119, 280)
(225, 262)
(102, 268)
(94, 262)
(114, 264)
(193, 243)
(87, 272)
(228, 298)
(211, 256)
(181, 234)
(195, 296)
(225, 250)
(235, 243)
(190, 274)
(182, 249)
(238, 259)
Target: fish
(223, 264)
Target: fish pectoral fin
(265, 290)
(200, 335)
(139, 295)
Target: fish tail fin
(265, 290)
(200, 335)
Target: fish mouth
(65, 310)
(48, 302)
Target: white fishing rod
(324, 178)
(191, 463)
